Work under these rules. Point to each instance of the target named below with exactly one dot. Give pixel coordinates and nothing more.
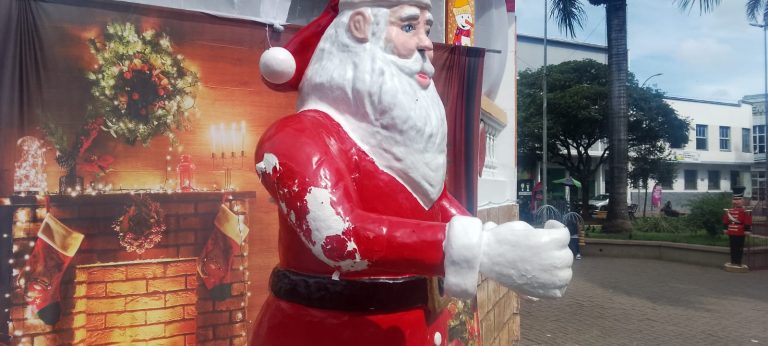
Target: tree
(648, 163)
(648, 157)
(577, 97)
(569, 15)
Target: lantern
(186, 170)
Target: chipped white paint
(336, 275)
(324, 222)
(268, 163)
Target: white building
(758, 144)
(718, 155)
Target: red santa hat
(282, 68)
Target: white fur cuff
(462, 247)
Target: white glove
(533, 262)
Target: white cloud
(705, 51)
(714, 56)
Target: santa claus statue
(358, 174)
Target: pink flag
(510, 5)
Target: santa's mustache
(419, 62)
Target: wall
(714, 115)
(499, 186)
(531, 52)
(499, 308)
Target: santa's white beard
(376, 99)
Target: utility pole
(764, 187)
(544, 112)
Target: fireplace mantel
(103, 283)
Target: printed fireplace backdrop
(121, 91)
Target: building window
(714, 180)
(758, 186)
(758, 139)
(725, 138)
(735, 179)
(745, 140)
(701, 137)
(690, 177)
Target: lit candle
(234, 136)
(222, 136)
(242, 135)
(213, 138)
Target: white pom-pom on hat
(277, 65)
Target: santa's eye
(408, 27)
(428, 31)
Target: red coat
(386, 234)
(737, 220)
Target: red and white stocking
(215, 262)
(55, 246)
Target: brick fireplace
(110, 296)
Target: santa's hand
(533, 262)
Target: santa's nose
(425, 46)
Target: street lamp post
(765, 105)
(544, 113)
(649, 78)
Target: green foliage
(662, 224)
(669, 229)
(577, 116)
(141, 87)
(707, 212)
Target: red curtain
(459, 80)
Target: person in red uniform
(358, 176)
(738, 221)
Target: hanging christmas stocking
(55, 246)
(215, 262)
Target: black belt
(380, 295)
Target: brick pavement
(622, 301)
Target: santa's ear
(360, 25)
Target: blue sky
(716, 56)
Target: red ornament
(135, 95)
(127, 74)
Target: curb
(704, 255)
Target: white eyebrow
(410, 14)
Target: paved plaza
(622, 301)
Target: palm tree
(569, 14)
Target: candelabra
(223, 159)
(227, 163)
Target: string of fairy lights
(236, 208)
(24, 218)
(30, 179)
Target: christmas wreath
(141, 226)
(141, 88)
